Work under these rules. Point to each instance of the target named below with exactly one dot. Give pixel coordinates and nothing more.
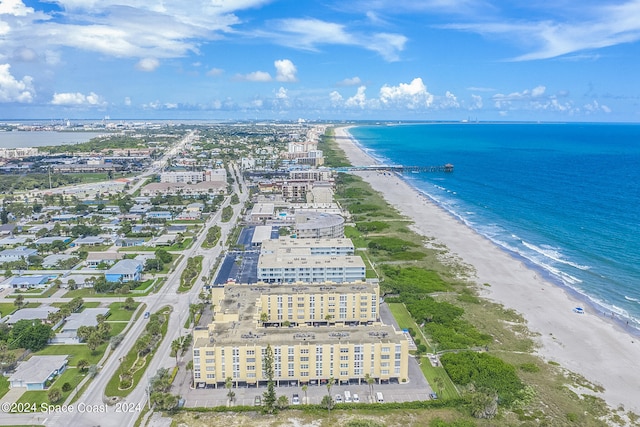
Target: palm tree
(370, 381)
(228, 383)
(439, 383)
(304, 390)
(176, 345)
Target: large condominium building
(322, 260)
(246, 322)
(317, 225)
(192, 177)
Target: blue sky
(548, 60)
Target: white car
(296, 399)
(338, 398)
(356, 398)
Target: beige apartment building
(307, 347)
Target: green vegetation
(190, 273)
(227, 214)
(212, 238)
(134, 364)
(485, 372)
(334, 157)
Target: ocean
(565, 198)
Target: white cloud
(449, 101)
(336, 98)
(308, 34)
(595, 107)
(477, 102)
(14, 90)
(359, 99)
(285, 70)
(76, 99)
(256, 76)
(413, 95)
(25, 54)
(353, 81)
(538, 91)
(215, 72)
(127, 101)
(593, 27)
(14, 8)
(147, 64)
(481, 89)
(281, 93)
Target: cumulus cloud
(76, 99)
(353, 81)
(596, 107)
(336, 98)
(281, 93)
(147, 64)
(359, 99)
(413, 95)
(285, 70)
(449, 101)
(14, 90)
(127, 101)
(14, 8)
(256, 76)
(501, 100)
(215, 72)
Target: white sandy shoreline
(587, 344)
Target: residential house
(35, 372)
(96, 258)
(52, 261)
(126, 270)
(128, 242)
(17, 254)
(50, 240)
(28, 282)
(35, 313)
(69, 332)
(88, 241)
(159, 215)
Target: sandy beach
(587, 344)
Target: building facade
(246, 326)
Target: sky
(546, 60)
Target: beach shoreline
(593, 346)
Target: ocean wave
(554, 254)
(632, 299)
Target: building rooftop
(86, 317)
(37, 369)
(237, 315)
(35, 313)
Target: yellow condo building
(316, 332)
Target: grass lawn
(70, 375)
(405, 321)
(35, 293)
(76, 352)
(90, 293)
(112, 388)
(118, 313)
(7, 308)
(4, 385)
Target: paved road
(91, 409)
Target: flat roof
(86, 317)
(38, 369)
(309, 261)
(240, 302)
(287, 242)
(261, 233)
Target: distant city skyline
(358, 60)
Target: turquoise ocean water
(565, 198)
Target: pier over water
(396, 168)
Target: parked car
(347, 396)
(257, 401)
(433, 396)
(356, 398)
(338, 398)
(296, 399)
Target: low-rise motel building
(316, 332)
